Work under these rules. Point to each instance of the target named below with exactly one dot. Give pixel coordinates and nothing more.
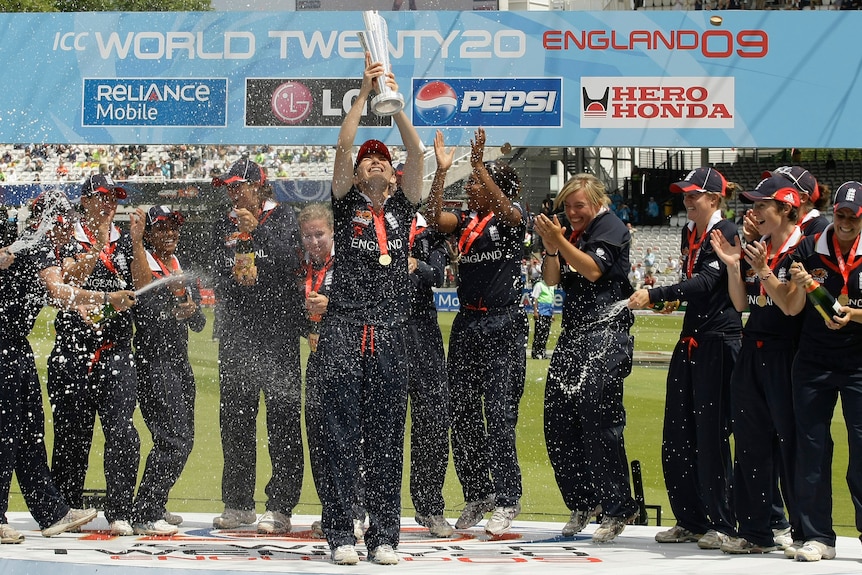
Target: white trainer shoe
(383, 555)
(345, 555)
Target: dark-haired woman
(697, 403)
(761, 394)
(487, 345)
(166, 382)
(261, 317)
(827, 366)
(813, 197)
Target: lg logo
(291, 102)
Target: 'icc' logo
(436, 102)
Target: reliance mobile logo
(520, 102)
(172, 102)
(657, 102)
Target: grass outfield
(198, 490)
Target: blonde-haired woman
(584, 413)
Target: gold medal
(844, 299)
(385, 259)
(761, 300)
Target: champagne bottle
(244, 267)
(244, 251)
(313, 335)
(179, 296)
(103, 313)
(660, 305)
(822, 300)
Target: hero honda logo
(657, 102)
(174, 102)
(521, 102)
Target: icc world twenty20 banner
(664, 78)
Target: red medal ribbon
(775, 258)
(265, 217)
(474, 229)
(166, 270)
(843, 268)
(174, 268)
(106, 253)
(693, 251)
(380, 230)
(414, 230)
(313, 281)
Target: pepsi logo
(291, 102)
(436, 102)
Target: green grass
(199, 488)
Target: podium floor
(529, 548)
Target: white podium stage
(530, 548)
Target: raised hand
(726, 252)
(444, 158)
(477, 145)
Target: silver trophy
(387, 102)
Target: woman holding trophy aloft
(362, 345)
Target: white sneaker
(383, 555)
(233, 518)
(274, 523)
(474, 512)
(782, 538)
(790, 550)
(9, 535)
(713, 540)
(173, 518)
(501, 520)
(815, 551)
(436, 524)
(155, 528)
(121, 527)
(73, 519)
(345, 555)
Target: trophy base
(387, 104)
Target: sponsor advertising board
(556, 78)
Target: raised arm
(141, 274)
(342, 172)
(437, 218)
(502, 207)
(730, 255)
(411, 181)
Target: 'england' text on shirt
(481, 257)
(371, 245)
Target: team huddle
(355, 279)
